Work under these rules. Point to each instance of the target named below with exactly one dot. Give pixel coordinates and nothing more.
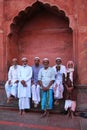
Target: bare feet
(56, 102)
(70, 114)
(47, 113)
(9, 99)
(44, 114)
(35, 105)
(21, 112)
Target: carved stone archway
(25, 17)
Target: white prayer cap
(14, 59)
(45, 59)
(24, 59)
(37, 58)
(58, 58)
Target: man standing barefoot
(46, 78)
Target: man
(46, 78)
(12, 83)
(24, 87)
(60, 73)
(35, 85)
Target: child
(70, 92)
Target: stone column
(82, 40)
(1, 42)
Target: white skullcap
(37, 58)
(14, 59)
(45, 59)
(58, 58)
(24, 59)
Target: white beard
(15, 66)
(70, 70)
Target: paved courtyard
(11, 120)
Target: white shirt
(25, 73)
(70, 71)
(59, 74)
(46, 75)
(13, 73)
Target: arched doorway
(41, 30)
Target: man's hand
(23, 83)
(55, 88)
(69, 89)
(45, 88)
(32, 82)
(58, 68)
(9, 82)
(16, 81)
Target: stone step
(14, 105)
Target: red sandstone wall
(74, 9)
(46, 35)
(82, 40)
(2, 55)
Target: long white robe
(12, 76)
(26, 75)
(58, 86)
(24, 93)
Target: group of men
(40, 82)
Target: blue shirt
(35, 70)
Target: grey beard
(15, 66)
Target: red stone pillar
(82, 41)
(82, 55)
(1, 43)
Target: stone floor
(11, 120)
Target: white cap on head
(45, 59)
(58, 58)
(14, 59)
(24, 59)
(37, 58)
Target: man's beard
(15, 66)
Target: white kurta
(46, 75)
(58, 86)
(12, 76)
(26, 75)
(70, 71)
